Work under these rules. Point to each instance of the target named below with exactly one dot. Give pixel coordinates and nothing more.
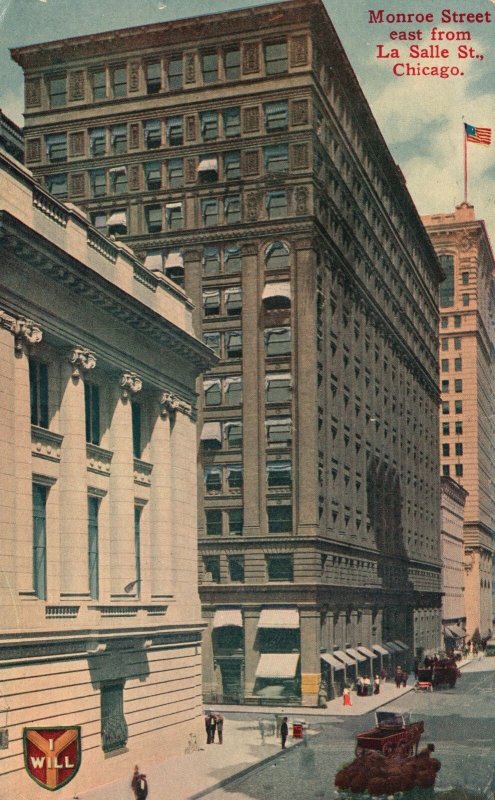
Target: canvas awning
(456, 631)
(393, 648)
(401, 644)
(154, 261)
(279, 618)
(212, 431)
(379, 648)
(117, 218)
(208, 165)
(344, 657)
(280, 289)
(174, 259)
(277, 665)
(334, 662)
(225, 617)
(366, 652)
(355, 654)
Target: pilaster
(251, 650)
(8, 578)
(310, 656)
(160, 510)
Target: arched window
(277, 256)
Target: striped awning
(277, 665)
(334, 662)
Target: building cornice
(454, 490)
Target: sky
(421, 116)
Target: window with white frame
(232, 209)
(211, 302)
(277, 256)
(232, 165)
(276, 115)
(233, 391)
(278, 431)
(152, 133)
(279, 474)
(276, 204)
(231, 121)
(212, 391)
(275, 57)
(209, 125)
(153, 175)
(175, 171)
(175, 219)
(278, 341)
(56, 147)
(233, 344)
(278, 387)
(175, 131)
(233, 434)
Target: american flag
(478, 135)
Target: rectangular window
(458, 364)
(465, 299)
(457, 321)
(232, 258)
(213, 522)
(232, 64)
(233, 391)
(175, 220)
(212, 568)
(445, 344)
(457, 343)
(57, 185)
(153, 175)
(98, 182)
(275, 58)
(39, 541)
(278, 341)
(277, 115)
(233, 344)
(211, 261)
(279, 473)
(236, 569)
(212, 340)
(232, 165)
(137, 545)
(276, 204)
(213, 480)
(119, 81)
(458, 427)
(97, 141)
(211, 302)
(38, 388)
(57, 91)
(136, 429)
(209, 67)
(280, 567)
(445, 470)
(445, 428)
(236, 521)
(234, 476)
(458, 385)
(458, 449)
(175, 170)
(153, 217)
(445, 386)
(459, 471)
(56, 148)
(113, 724)
(209, 125)
(118, 139)
(152, 133)
(447, 285)
(118, 180)
(153, 77)
(99, 84)
(445, 364)
(209, 212)
(93, 554)
(465, 278)
(233, 435)
(458, 407)
(279, 431)
(92, 409)
(446, 450)
(444, 322)
(278, 388)
(175, 131)
(445, 407)
(232, 209)
(231, 121)
(175, 73)
(213, 392)
(276, 158)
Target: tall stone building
(467, 413)
(453, 500)
(101, 625)
(237, 154)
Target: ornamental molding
(7, 321)
(81, 361)
(130, 384)
(24, 330)
(171, 404)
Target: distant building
(453, 499)
(237, 154)
(11, 138)
(100, 623)
(467, 412)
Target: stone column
(73, 483)
(210, 683)
(160, 510)
(310, 656)
(121, 494)
(251, 649)
(305, 403)
(254, 493)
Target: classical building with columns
(101, 624)
(238, 155)
(453, 501)
(467, 411)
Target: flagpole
(465, 164)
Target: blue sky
(420, 117)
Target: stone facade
(100, 618)
(467, 417)
(453, 499)
(245, 163)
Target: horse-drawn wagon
(394, 734)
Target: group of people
(401, 676)
(213, 724)
(364, 687)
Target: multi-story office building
(101, 625)
(11, 138)
(237, 154)
(453, 499)
(467, 413)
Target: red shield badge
(52, 756)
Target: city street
(460, 722)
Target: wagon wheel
(388, 749)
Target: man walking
(139, 784)
(284, 732)
(219, 720)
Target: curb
(243, 772)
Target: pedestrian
(219, 721)
(367, 690)
(376, 685)
(398, 676)
(383, 675)
(213, 726)
(346, 696)
(416, 668)
(284, 732)
(208, 727)
(359, 686)
(139, 784)
(404, 677)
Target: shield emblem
(52, 756)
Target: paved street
(461, 723)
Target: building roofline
(453, 488)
